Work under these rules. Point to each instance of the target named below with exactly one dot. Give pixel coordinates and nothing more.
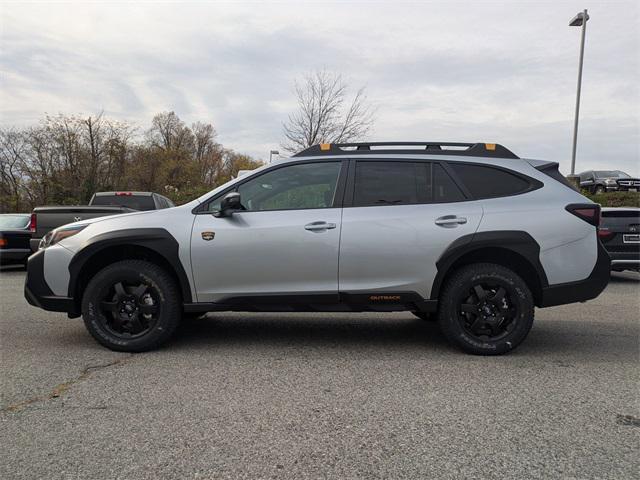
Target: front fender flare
(158, 240)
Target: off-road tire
(160, 283)
(454, 323)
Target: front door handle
(319, 226)
(450, 221)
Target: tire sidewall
(519, 295)
(140, 271)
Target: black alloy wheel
(487, 312)
(485, 309)
(130, 309)
(132, 306)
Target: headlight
(610, 181)
(54, 236)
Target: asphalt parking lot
(323, 396)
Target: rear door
(399, 217)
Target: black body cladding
(156, 239)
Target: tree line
(64, 159)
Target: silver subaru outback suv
(466, 234)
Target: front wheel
(485, 309)
(131, 306)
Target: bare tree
(12, 152)
(324, 115)
(169, 133)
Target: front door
(284, 242)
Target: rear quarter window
(488, 182)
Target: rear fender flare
(517, 241)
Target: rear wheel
(131, 306)
(599, 190)
(486, 309)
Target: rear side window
(387, 183)
(487, 182)
(443, 187)
(403, 183)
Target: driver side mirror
(230, 203)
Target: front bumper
(38, 293)
(582, 290)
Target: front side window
(294, 187)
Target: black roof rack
(492, 150)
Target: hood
(90, 221)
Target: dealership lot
(322, 395)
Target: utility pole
(580, 20)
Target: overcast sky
(500, 72)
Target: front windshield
(14, 221)
(611, 174)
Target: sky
(502, 72)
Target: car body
(15, 235)
(600, 181)
(620, 234)
(348, 227)
(102, 204)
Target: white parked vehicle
(469, 234)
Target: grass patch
(615, 199)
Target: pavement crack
(628, 420)
(62, 388)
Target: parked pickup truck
(102, 204)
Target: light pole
(272, 153)
(580, 20)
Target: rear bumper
(624, 256)
(625, 264)
(38, 293)
(14, 255)
(582, 290)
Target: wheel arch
(516, 250)
(156, 245)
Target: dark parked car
(14, 238)
(102, 204)
(620, 235)
(600, 181)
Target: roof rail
(492, 150)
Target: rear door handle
(319, 226)
(450, 221)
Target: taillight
(125, 194)
(604, 232)
(589, 212)
(33, 223)
(3, 242)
